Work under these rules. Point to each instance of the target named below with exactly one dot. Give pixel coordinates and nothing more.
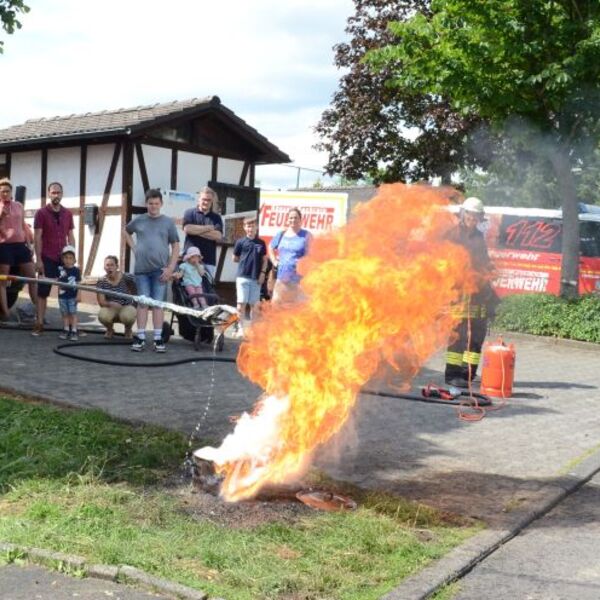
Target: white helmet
(474, 205)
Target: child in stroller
(201, 295)
(191, 271)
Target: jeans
(150, 285)
(68, 306)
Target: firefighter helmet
(474, 205)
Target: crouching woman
(114, 309)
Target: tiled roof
(126, 121)
(106, 121)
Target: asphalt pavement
(503, 469)
(30, 582)
(556, 558)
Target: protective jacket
(464, 352)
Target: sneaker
(65, 334)
(159, 345)
(37, 329)
(74, 337)
(138, 345)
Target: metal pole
(209, 313)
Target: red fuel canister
(498, 370)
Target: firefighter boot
(455, 376)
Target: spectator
(285, 250)
(156, 249)
(113, 309)
(203, 228)
(68, 297)
(250, 252)
(191, 271)
(14, 250)
(52, 230)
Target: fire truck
(525, 246)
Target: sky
(270, 61)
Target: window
(589, 233)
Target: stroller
(195, 329)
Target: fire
(378, 291)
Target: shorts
(248, 290)
(150, 285)
(68, 306)
(50, 272)
(14, 254)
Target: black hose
(465, 398)
(60, 350)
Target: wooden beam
(252, 175)
(244, 174)
(44, 177)
(82, 188)
(221, 263)
(8, 163)
(126, 201)
(174, 169)
(102, 212)
(142, 165)
(214, 169)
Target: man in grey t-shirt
(156, 250)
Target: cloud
(269, 61)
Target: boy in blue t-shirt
(251, 254)
(68, 297)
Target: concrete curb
(551, 341)
(462, 559)
(123, 574)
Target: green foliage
(43, 441)
(9, 11)
(543, 314)
(533, 61)
(388, 134)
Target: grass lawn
(80, 482)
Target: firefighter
(464, 352)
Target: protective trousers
(464, 354)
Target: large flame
(378, 292)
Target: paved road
(488, 469)
(35, 583)
(556, 558)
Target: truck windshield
(590, 238)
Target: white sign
(321, 211)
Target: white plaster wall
(158, 167)
(64, 167)
(193, 171)
(26, 169)
(229, 267)
(229, 171)
(98, 166)
(137, 187)
(110, 243)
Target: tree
(534, 60)
(374, 131)
(9, 10)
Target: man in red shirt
(14, 247)
(53, 230)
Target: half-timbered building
(106, 160)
